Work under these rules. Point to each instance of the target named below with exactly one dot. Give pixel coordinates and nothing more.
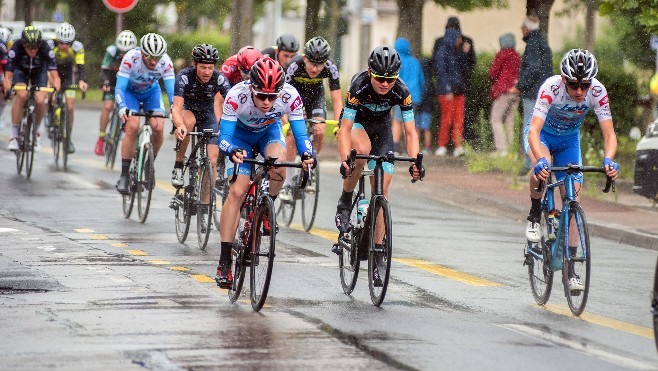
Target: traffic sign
(120, 6)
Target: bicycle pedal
(529, 260)
(336, 249)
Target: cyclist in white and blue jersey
(137, 82)
(554, 131)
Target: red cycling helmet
(247, 56)
(267, 75)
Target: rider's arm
(225, 140)
(345, 137)
(218, 104)
(536, 124)
(337, 101)
(54, 78)
(609, 139)
(169, 88)
(120, 90)
(177, 112)
(301, 139)
(79, 51)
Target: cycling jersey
(4, 51)
(43, 61)
(65, 60)
(231, 69)
(136, 80)
(312, 89)
(197, 95)
(111, 64)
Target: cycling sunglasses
(152, 58)
(584, 85)
(270, 97)
(245, 71)
(383, 79)
(32, 46)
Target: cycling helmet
(579, 64)
(317, 50)
(267, 75)
(5, 34)
(153, 45)
(205, 53)
(247, 56)
(287, 42)
(31, 35)
(126, 40)
(65, 33)
(384, 61)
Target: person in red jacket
(236, 67)
(504, 72)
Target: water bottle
(361, 211)
(552, 224)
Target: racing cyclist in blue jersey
(252, 118)
(137, 82)
(554, 132)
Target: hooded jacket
(411, 71)
(451, 65)
(536, 65)
(504, 71)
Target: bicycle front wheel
(239, 258)
(30, 138)
(181, 204)
(112, 137)
(348, 258)
(310, 197)
(66, 135)
(577, 259)
(221, 189)
(205, 201)
(22, 144)
(56, 138)
(285, 209)
(262, 252)
(145, 182)
(539, 273)
(129, 199)
(381, 248)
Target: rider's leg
(534, 215)
(128, 144)
(213, 154)
(276, 149)
(189, 120)
(360, 142)
(157, 124)
(17, 110)
(291, 152)
(318, 135)
(40, 107)
(108, 105)
(228, 225)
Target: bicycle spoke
(262, 253)
(145, 182)
(348, 259)
(310, 196)
(379, 257)
(205, 199)
(539, 272)
(576, 266)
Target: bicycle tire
(380, 256)
(285, 210)
(310, 196)
(540, 274)
(348, 259)
(654, 305)
(581, 261)
(238, 258)
(66, 135)
(31, 137)
(112, 140)
(204, 209)
(262, 252)
(55, 135)
(181, 211)
(221, 189)
(145, 182)
(129, 199)
(20, 153)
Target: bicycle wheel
(205, 201)
(348, 259)
(55, 136)
(285, 209)
(239, 257)
(310, 197)
(30, 137)
(262, 252)
(129, 199)
(579, 260)
(381, 249)
(66, 135)
(145, 182)
(112, 138)
(654, 305)
(221, 189)
(181, 204)
(22, 144)
(539, 273)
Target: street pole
(367, 12)
(119, 23)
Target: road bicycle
(141, 176)
(60, 126)
(221, 188)
(654, 305)
(196, 196)
(27, 133)
(371, 234)
(255, 238)
(558, 249)
(308, 195)
(112, 137)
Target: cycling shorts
(381, 142)
(66, 75)
(315, 105)
(37, 78)
(248, 140)
(151, 99)
(113, 81)
(565, 150)
(205, 119)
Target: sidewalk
(630, 219)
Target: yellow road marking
(137, 252)
(159, 262)
(84, 230)
(99, 237)
(165, 186)
(202, 278)
(324, 233)
(602, 321)
(447, 272)
(119, 244)
(179, 268)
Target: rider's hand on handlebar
(345, 169)
(542, 169)
(415, 173)
(237, 156)
(181, 132)
(83, 85)
(123, 113)
(611, 168)
(307, 160)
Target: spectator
(411, 73)
(503, 74)
(426, 107)
(450, 64)
(536, 67)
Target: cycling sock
(178, 164)
(101, 133)
(125, 166)
(346, 197)
(14, 131)
(225, 252)
(535, 208)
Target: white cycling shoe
(13, 144)
(575, 284)
(532, 232)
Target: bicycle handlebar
(269, 163)
(206, 133)
(388, 157)
(571, 168)
(148, 114)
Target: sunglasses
(152, 58)
(32, 46)
(584, 85)
(266, 96)
(382, 79)
(63, 43)
(245, 71)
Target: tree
(645, 11)
(542, 9)
(241, 23)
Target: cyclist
(70, 58)
(285, 49)
(236, 67)
(562, 104)
(306, 73)
(30, 60)
(251, 117)
(5, 36)
(366, 124)
(198, 99)
(137, 82)
(114, 53)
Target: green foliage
(180, 45)
(479, 99)
(465, 5)
(644, 11)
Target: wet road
(82, 288)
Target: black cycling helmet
(384, 61)
(205, 53)
(31, 35)
(317, 50)
(579, 65)
(287, 42)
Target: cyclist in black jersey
(285, 49)
(5, 36)
(199, 93)
(366, 124)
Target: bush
(180, 45)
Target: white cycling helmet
(5, 34)
(579, 65)
(65, 33)
(153, 45)
(126, 40)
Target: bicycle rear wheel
(348, 258)
(181, 204)
(239, 254)
(539, 273)
(205, 201)
(29, 142)
(578, 261)
(285, 209)
(145, 183)
(56, 138)
(22, 145)
(129, 199)
(221, 189)
(381, 248)
(310, 197)
(66, 135)
(262, 252)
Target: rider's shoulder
(77, 46)
(111, 50)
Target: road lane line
(324, 233)
(137, 252)
(159, 262)
(99, 237)
(448, 272)
(202, 278)
(165, 186)
(596, 319)
(119, 244)
(179, 268)
(84, 230)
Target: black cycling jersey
(199, 96)
(19, 60)
(312, 89)
(4, 54)
(363, 105)
(269, 52)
